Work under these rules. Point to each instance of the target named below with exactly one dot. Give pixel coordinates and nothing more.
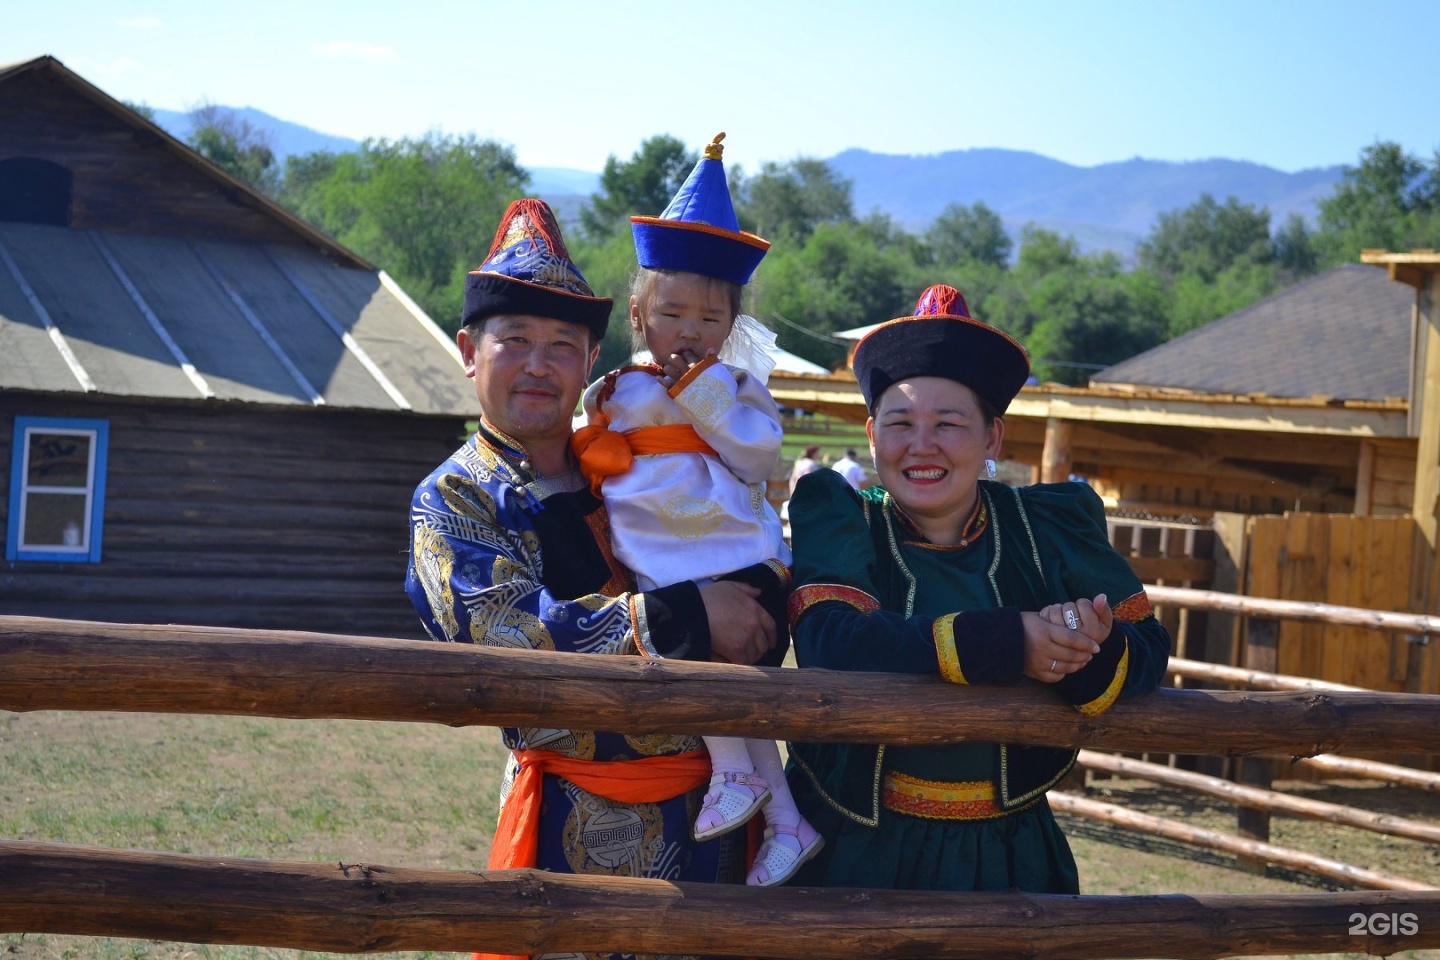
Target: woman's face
(930, 441)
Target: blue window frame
(57, 490)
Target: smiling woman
(937, 571)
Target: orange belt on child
(646, 780)
(604, 452)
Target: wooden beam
(1271, 801)
(357, 907)
(1300, 610)
(1055, 462)
(1215, 840)
(75, 665)
(1258, 416)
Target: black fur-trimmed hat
(941, 339)
(529, 271)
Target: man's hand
(740, 629)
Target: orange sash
(646, 780)
(604, 452)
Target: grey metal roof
(171, 318)
(1344, 334)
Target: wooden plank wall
(1172, 555)
(240, 515)
(1347, 560)
(124, 178)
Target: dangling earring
(989, 468)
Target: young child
(681, 448)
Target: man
(510, 548)
(849, 468)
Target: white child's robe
(692, 516)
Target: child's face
(684, 312)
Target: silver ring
(1052, 665)
(1071, 620)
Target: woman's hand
(1061, 638)
(1094, 618)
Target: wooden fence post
(1262, 652)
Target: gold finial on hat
(715, 148)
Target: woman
(936, 571)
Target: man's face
(529, 372)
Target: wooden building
(210, 412)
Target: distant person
(680, 450)
(850, 468)
(807, 462)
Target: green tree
(786, 202)
(234, 145)
(1075, 312)
(643, 185)
(1390, 200)
(144, 109)
(423, 210)
(1205, 238)
(845, 275)
(964, 234)
(609, 267)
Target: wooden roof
(176, 281)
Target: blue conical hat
(698, 232)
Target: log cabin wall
(239, 515)
(125, 177)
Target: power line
(826, 338)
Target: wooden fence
(354, 908)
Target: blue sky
(1287, 84)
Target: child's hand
(678, 364)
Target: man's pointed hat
(699, 232)
(529, 271)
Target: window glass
(55, 520)
(57, 490)
(58, 460)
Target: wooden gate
(1352, 561)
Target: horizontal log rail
(78, 665)
(1077, 806)
(1256, 798)
(352, 908)
(1302, 610)
(1353, 767)
(1249, 679)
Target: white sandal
(734, 798)
(777, 862)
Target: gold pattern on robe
(614, 839)
(689, 518)
(434, 563)
(656, 744)
(706, 400)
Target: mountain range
(1111, 206)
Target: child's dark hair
(642, 288)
